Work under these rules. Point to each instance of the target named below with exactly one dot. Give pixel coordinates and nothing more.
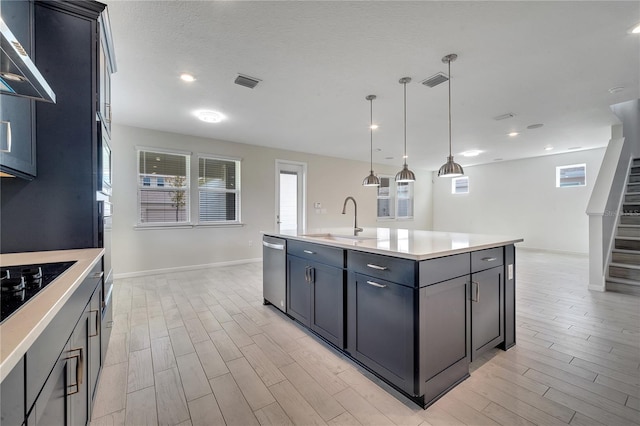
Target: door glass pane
(288, 201)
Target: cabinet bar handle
(79, 369)
(97, 275)
(309, 252)
(476, 292)
(379, 268)
(273, 246)
(97, 322)
(489, 259)
(375, 284)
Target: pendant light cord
(371, 132)
(405, 123)
(449, 107)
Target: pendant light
(405, 175)
(372, 179)
(450, 168)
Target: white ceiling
(546, 62)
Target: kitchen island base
(416, 324)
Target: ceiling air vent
(246, 81)
(436, 79)
(504, 116)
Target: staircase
(624, 269)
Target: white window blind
(460, 185)
(404, 192)
(572, 175)
(218, 190)
(394, 199)
(163, 187)
(386, 202)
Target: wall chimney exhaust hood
(18, 74)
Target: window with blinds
(404, 194)
(163, 187)
(573, 175)
(218, 190)
(394, 199)
(460, 185)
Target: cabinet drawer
(485, 259)
(44, 352)
(433, 271)
(328, 255)
(401, 271)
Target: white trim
(185, 268)
(218, 157)
(162, 150)
(159, 225)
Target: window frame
(395, 200)
(570, 166)
(454, 187)
(141, 185)
(237, 190)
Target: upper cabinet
(107, 66)
(17, 126)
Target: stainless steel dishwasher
(274, 272)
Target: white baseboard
(184, 268)
(574, 253)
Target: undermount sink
(329, 236)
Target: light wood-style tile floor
(199, 348)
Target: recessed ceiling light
(616, 89)
(373, 126)
(535, 126)
(187, 77)
(512, 134)
(548, 148)
(635, 29)
(471, 153)
(209, 116)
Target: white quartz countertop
(20, 330)
(405, 243)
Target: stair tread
(623, 281)
(628, 225)
(628, 238)
(625, 265)
(625, 251)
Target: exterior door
(290, 196)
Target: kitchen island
(52, 347)
(414, 307)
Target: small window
(460, 185)
(219, 190)
(573, 175)
(168, 201)
(404, 192)
(385, 202)
(395, 199)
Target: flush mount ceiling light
(372, 179)
(450, 168)
(512, 134)
(187, 77)
(548, 148)
(471, 153)
(209, 116)
(405, 175)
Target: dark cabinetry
(17, 132)
(12, 396)
(316, 290)
(380, 328)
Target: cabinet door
(327, 313)
(299, 289)
(77, 376)
(104, 107)
(445, 330)
(17, 135)
(487, 310)
(12, 396)
(94, 337)
(51, 406)
(381, 328)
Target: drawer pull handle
(379, 268)
(489, 259)
(375, 284)
(97, 275)
(309, 252)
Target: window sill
(220, 225)
(140, 227)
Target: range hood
(18, 74)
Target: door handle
(475, 291)
(375, 284)
(97, 333)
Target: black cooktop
(22, 282)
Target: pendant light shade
(405, 175)
(372, 179)
(450, 168)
